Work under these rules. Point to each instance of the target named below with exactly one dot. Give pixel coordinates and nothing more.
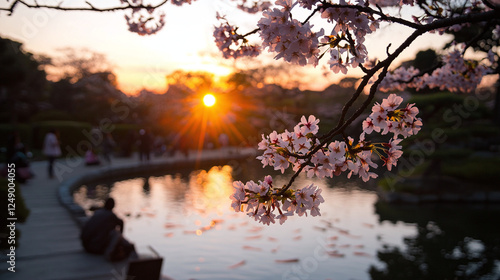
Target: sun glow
(209, 100)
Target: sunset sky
(186, 41)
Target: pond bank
(137, 169)
(49, 245)
(437, 189)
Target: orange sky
(186, 42)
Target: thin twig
(90, 7)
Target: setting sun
(209, 100)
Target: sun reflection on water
(188, 218)
(211, 189)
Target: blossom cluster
(496, 32)
(348, 35)
(392, 3)
(302, 150)
(261, 200)
(226, 36)
(255, 7)
(290, 39)
(181, 2)
(456, 75)
(296, 42)
(389, 118)
(144, 21)
(308, 4)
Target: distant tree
(76, 64)
(426, 60)
(62, 95)
(190, 82)
(94, 96)
(84, 85)
(258, 74)
(22, 82)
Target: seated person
(102, 234)
(91, 158)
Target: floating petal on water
(287, 261)
(237, 265)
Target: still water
(187, 218)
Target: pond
(186, 217)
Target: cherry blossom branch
(479, 35)
(341, 124)
(340, 127)
(301, 149)
(422, 5)
(461, 75)
(90, 7)
(467, 18)
(262, 198)
(371, 11)
(250, 33)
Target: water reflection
(452, 242)
(146, 188)
(188, 219)
(210, 190)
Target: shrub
(51, 115)
(6, 131)
(71, 134)
(480, 170)
(21, 212)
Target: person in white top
(51, 150)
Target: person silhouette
(145, 142)
(102, 234)
(51, 150)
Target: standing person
(51, 150)
(223, 140)
(108, 145)
(144, 145)
(102, 234)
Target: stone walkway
(49, 241)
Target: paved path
(49, 242)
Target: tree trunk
(496, 108)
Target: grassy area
(481, 170)
(386, 183)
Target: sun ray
(201, 138)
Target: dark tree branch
(90, 7)
(251, 32)
(342, 124)
(311, 15)
(372, 12)
(478, 37)
(491, 5)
